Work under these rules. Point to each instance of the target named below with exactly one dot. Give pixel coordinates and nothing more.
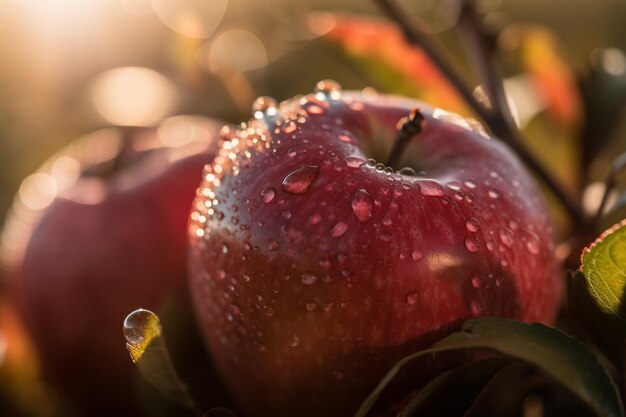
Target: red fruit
(98, 231)
(314, 270)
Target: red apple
(314, 268)
(97, 232)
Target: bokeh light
(233, 51)
(137, 7)
(133, 96)
(193, 18)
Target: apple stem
(497, 116)
(407, 128)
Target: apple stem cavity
(408, 127)
(495, 115)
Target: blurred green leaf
(560, 356)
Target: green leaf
(454, 391)
(604, 267)
(598, 290)
(146, 344)
(560, 356)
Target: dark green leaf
(560, 356)
(453, 392)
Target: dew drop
(471, 244)
(412, 298)
(362, 205)
(310, 306)
(431, 188)
(408, 171)
(475, 280)
(493, 193)
(295, 341)
(221, 274)
(299, 181)
(286, 214)
(272, 244)
(416, 255)
(470, 184)
(308, 278)
(137, 328)
(315, 219)
(532, 246)
(472, 224)
(506, 237)
(385, 237)
(476, 308)
(345, 138)
(268, 195)
(454, 185)
(264, 106)
(354, 161)
(338, 229)
(289, 127)
(328, 88)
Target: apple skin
(101, 249)
(313, 272)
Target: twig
(497, 117)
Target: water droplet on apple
(308, 278)
(286, 214)
(295, 341)
(221, 274)
(472, 224)
(475, 280)
(431, 188)
(289, 127)
(379, 167)
(470, 184)
(385, 237)
(493, 193)
(354, 161)
(471, 244)
(408, 171)
(310, 306)
(506, 236)
(328, 308)
(338, 229)
(362, 205)
(315, 219)
(325, 263)
(476, 308)
(454, 185)
(299, 181)
(272, 244)
(268, 195)
(264, 106)
(328, 89)
(416, 255)
(412, 298)
(533, 246)
(387, 221)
